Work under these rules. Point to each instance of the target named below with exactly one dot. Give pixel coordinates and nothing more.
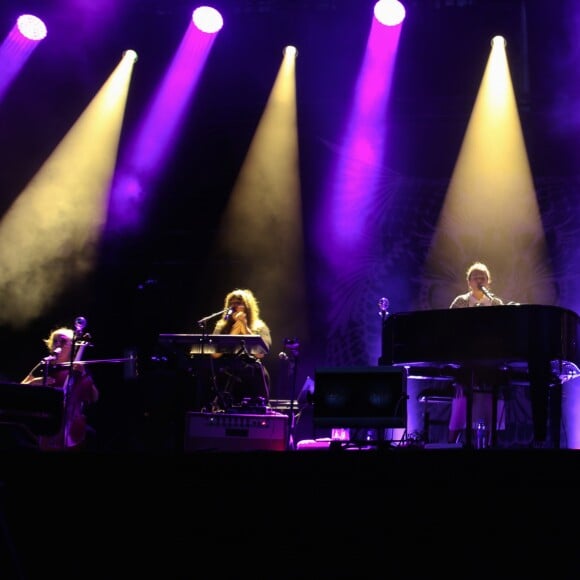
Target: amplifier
(231, 432)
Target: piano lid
(481, 335)
(214, 343)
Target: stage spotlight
(207, 19)
(130, 54)
(31, 27)
(389, 12)
(498, 42)
(290, 51)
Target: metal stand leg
(291, 346)
(555, 406)
(493, 427)
(469, 412)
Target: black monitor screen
(360, 397)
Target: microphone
(485, 291)
(383, 307)
(80, 324)
(228, 313)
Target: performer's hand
(39, 381)
(240, 325)
(240, 316)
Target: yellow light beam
(490, 212)
(260, 235)
(48, 238)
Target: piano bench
(434, 399)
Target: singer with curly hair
(240, 378)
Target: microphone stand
(202, 325)
(213, 378)
(383, 305)
(293, 346)
(201, 322)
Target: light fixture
(498, 41)
(207, 19)
(31, 27)
(290, 51)
(130, 54)
(389, 12)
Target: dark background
(157, 281)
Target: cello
(79, 390)
(65, 370)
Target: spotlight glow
(207, 19)
(130, 54)
(498, 41)
(389, 12)
(31, 27)
(290, 51)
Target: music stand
(219, 344)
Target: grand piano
(544, 338)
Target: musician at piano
(242, 375)
(55, 371)
(478, 289)
(479, 281)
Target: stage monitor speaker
(373, 397)
(235, 432)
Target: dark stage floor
(269, 514)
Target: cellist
(61, 371)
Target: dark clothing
(240, 378)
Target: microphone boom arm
(202, 321)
